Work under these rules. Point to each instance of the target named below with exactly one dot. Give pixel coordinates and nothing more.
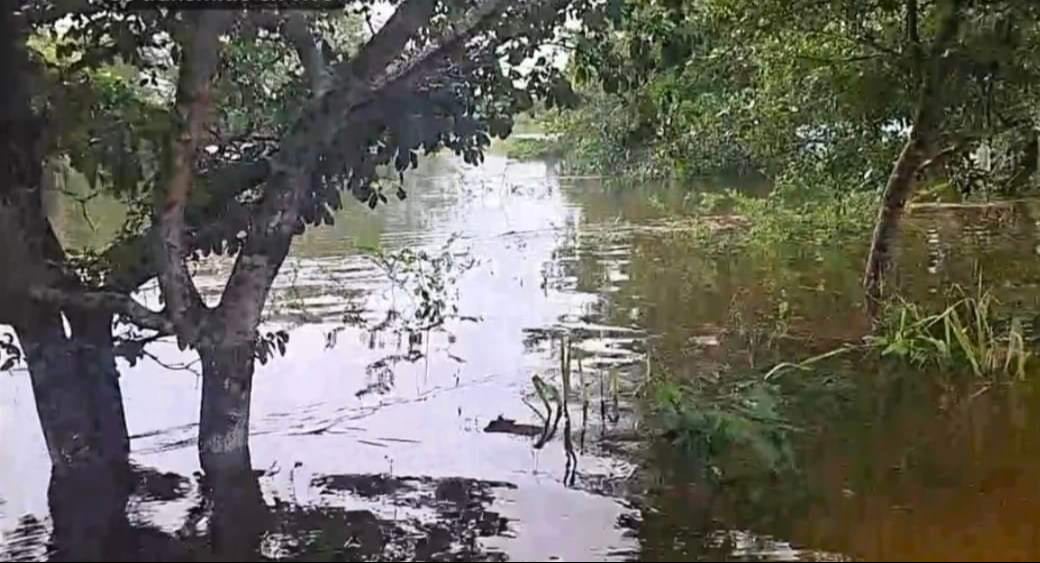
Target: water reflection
(97, 518)
(892, 464)
(889, 464)
(347, 399)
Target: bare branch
(109, 301)
(179, 366)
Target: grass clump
(779, 220)
(968, 335)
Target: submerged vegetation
(746, 421)
(727, 428)
(967, 335)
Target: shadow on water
(95, 516)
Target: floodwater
(368, 435)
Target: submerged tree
(826, 96)
(226, 132)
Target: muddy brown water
(371, 445)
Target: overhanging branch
(111, 302)
(278, 218)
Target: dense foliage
(820, 94)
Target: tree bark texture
(238, 514)
(227, 383)
(88, 514)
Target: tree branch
(202, 57)
(296, 30)
(279, 216)
(105, 301)
(913, 36)
(839, 60)
(133, 261)
(939, 156)
(294, 27)
(388, 43)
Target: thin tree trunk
(227, 382)
(898, 189)
(928, 117)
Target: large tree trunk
(92, 339)
(73, 376)
(88, 514)
(227, 382)
(76, 387)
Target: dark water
(370, 444)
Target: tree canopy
(817, 92)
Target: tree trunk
(927, 119)
(73, 378)
(92, 339)
(76, 388)
(227, 382)
(88, 514)
(898, 189)
(239, 515)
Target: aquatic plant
(968, 333)
(530, 148)
(428, 279)
(725, 427)
(793, 215)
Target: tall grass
(969, 334)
